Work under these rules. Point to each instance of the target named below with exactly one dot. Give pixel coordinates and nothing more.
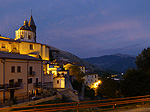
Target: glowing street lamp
(96, 84)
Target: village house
(28, 67)
(20, 75)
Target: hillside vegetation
(116, 62)
(73, 58)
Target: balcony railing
(31, 73)
(37, 85)
(15, 85)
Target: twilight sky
(86, 28)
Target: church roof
(31, 22)
(25, 26)
(17, 56)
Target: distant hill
(73, 58)
(115, 62)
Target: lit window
(13, 69)
(18, 68)
(31, 46)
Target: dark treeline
(136, 81)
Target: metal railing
(9, 86)
(37, 85)
(83, 104)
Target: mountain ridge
(116, 62)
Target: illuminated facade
(22, 68)
(57, 74)
(27, 32)
(25, 42)
(29, 73)
(66, 66)
(59, 82)
(90, 79)
(20, 75)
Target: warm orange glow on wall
(96, 84)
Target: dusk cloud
(83, 26)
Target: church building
(25, 42)
(21, 62)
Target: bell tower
(27, 32)
(32, 25)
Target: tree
(108, 88)
(143, 60)
(75, 70)
(136, 81)
(77, 86)
(90, 93)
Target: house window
(29, 80)
(18, 68)
(20, 81)
(37, 80)
(95, 76)
(57, 81)
(29, 37)
(11, 81)
(31, 46)
(3, 46)
(12, 69)
(30, 72)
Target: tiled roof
(31, 21)
(25, 26)
(17, 56)
(11, 40)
